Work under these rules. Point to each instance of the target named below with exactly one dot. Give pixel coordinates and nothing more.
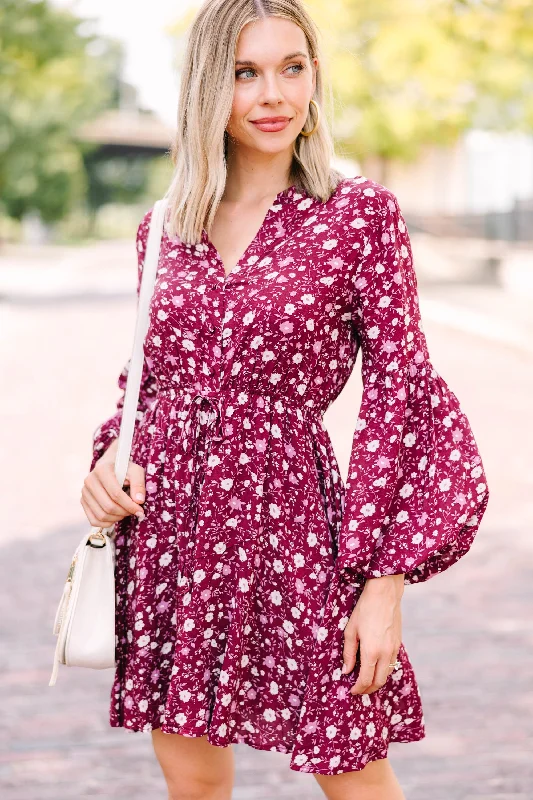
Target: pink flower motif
(460, 499)
(383, 463)
(235, 503)
(373, 394)
(360, 283)
(397, 277)
(286, 327)
(289, 451)
(205, 594)
(457, 435)
(422, 519)
(260, 445)
(311, 727)
(151, 487)
(300, 588)
(279, 230)
(385, 238)
(294, 700)
(389, 347)
(269, 662)
(317, 347)
(336, 263)
(352, 543)
(162, 606)
(178, 301)
(419, 357)
(342, 692)
(401, 394)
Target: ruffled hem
(403, 736)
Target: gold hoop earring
(308, 133)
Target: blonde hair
(204, 107)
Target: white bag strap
(133, 383)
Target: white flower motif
(275, 598)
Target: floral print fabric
(234, 591)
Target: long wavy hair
(199, 150)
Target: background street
(66, 331)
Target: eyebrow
(286, 58)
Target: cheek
(242, 106)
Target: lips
(270, 120)
(271, 124)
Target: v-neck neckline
(285, 194)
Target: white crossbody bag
(85, 619)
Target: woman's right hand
(103, 500)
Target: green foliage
(54, 75)
(417, 72)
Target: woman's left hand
(376, 627)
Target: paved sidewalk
(468, 632)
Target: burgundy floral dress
(234, 591)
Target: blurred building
(481, 187)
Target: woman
(258, 598)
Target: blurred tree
(422, 71)
(54, 74)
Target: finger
(382, 672)
(135, 476)
(95, 514)
(106, 507)
(366, 673)
(349, 653)
(108, 492)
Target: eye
(240, 71)
(299, 68)
(299, 65)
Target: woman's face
(268, 84)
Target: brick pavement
(468, 631)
